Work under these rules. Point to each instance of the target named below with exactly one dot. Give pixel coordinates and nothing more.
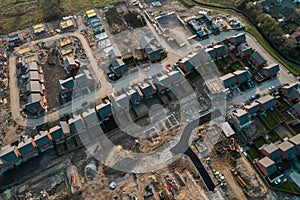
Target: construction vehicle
(170, 189)
(239, 179)
(232, 145)
(74, 182)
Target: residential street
(284, 76)
(106, 87)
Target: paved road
(105, 86)
(284, 75)
(183, 146)
(202, 171)
(105, 89)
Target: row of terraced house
(32, 82)
(275, 153)
(86, 125)
(238, 44)
(241, 116)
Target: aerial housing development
(146, 100)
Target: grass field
(18, 14)
(277, 116)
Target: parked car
(277, 182)
(252, 98)
(250, 84)
(111, 75)
(271, 88)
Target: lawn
(273, 137)
(269, 120)
(15, 15)
(245, 62)
(228, 70)
(236, 66)
(253, 152)
(296, 128)
(228, 59)
(293, 25)
(277, 116)
(259, 142)
(110, 125)
(283, 106)
(286, 164)
(187, 3)
(163, 55)
(286, 30)
(192, 76)
(220, 3)
(289, 186)
(276, 174)
(129, 62)
(288, 117)
(220, 63)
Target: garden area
(277, 116)
(228, 59)
(249, 28)
(16, 15)
(271, 119)
(223, 66)
(296, 128)
(252, 151)
(228, 65)
(259, 142)
(245, 63)
(236, 65)
(289, 186)
(283, 105)
(288, 117)
(163, 55)
(193, 75)
(109, 125)
(272, 137)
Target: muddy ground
(120, 19)
(52, 73)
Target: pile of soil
(122, 21)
